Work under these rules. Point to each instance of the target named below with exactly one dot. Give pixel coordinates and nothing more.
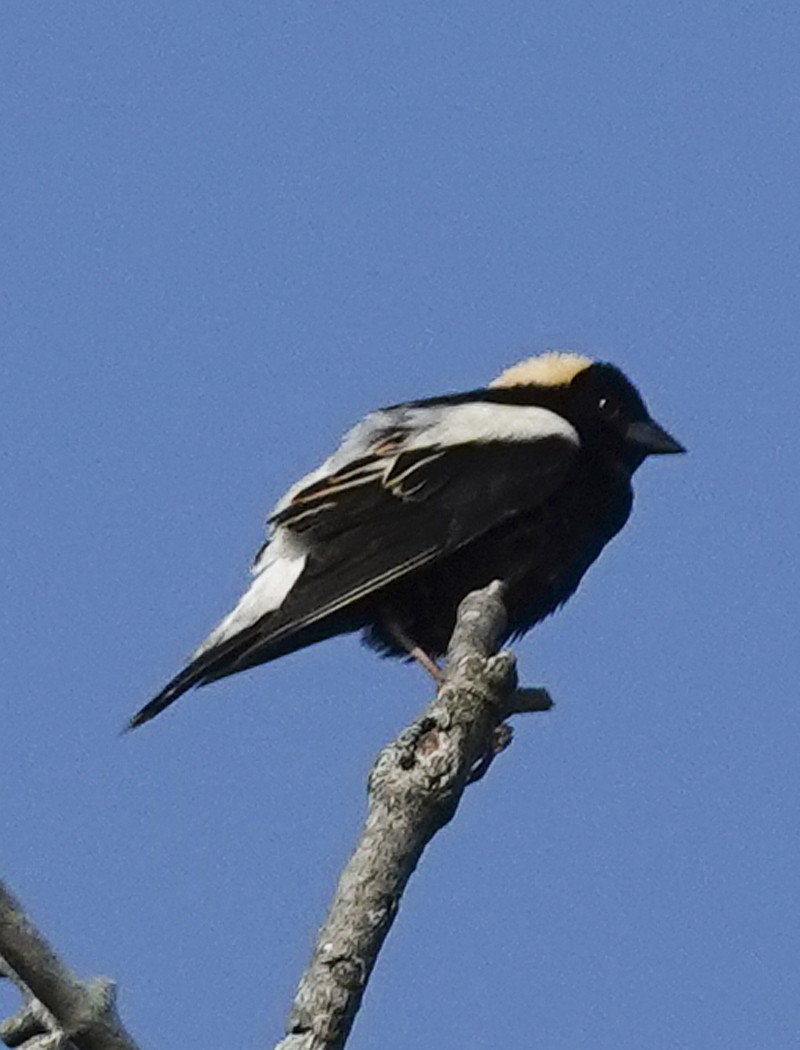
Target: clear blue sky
(230, 229)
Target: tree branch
(59, 1010)
(415, 787)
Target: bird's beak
(652, 439)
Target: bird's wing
(407, 486)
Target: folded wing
(408, 486)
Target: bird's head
(598, 399)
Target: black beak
(652, 439)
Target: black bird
(524, 481)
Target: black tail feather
(250, 647)
(216, 663)
(182, 682)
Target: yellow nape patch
(555, 368)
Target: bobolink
(524, 481)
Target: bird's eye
(610, 409)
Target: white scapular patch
(555, 368)
(276, 571)
(434, 427)
(483, 421)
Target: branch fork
(59, 1011)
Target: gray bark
(414, 789)
(60, 1011)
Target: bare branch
(415, 787)
(59, 1010)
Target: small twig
(415, 787)
(59, 1010)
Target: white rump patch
(484, 421)
(276, 572)
(555, 368)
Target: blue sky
(230, 229)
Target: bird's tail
(258, 644)
(205, 667)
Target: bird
(524, 481)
